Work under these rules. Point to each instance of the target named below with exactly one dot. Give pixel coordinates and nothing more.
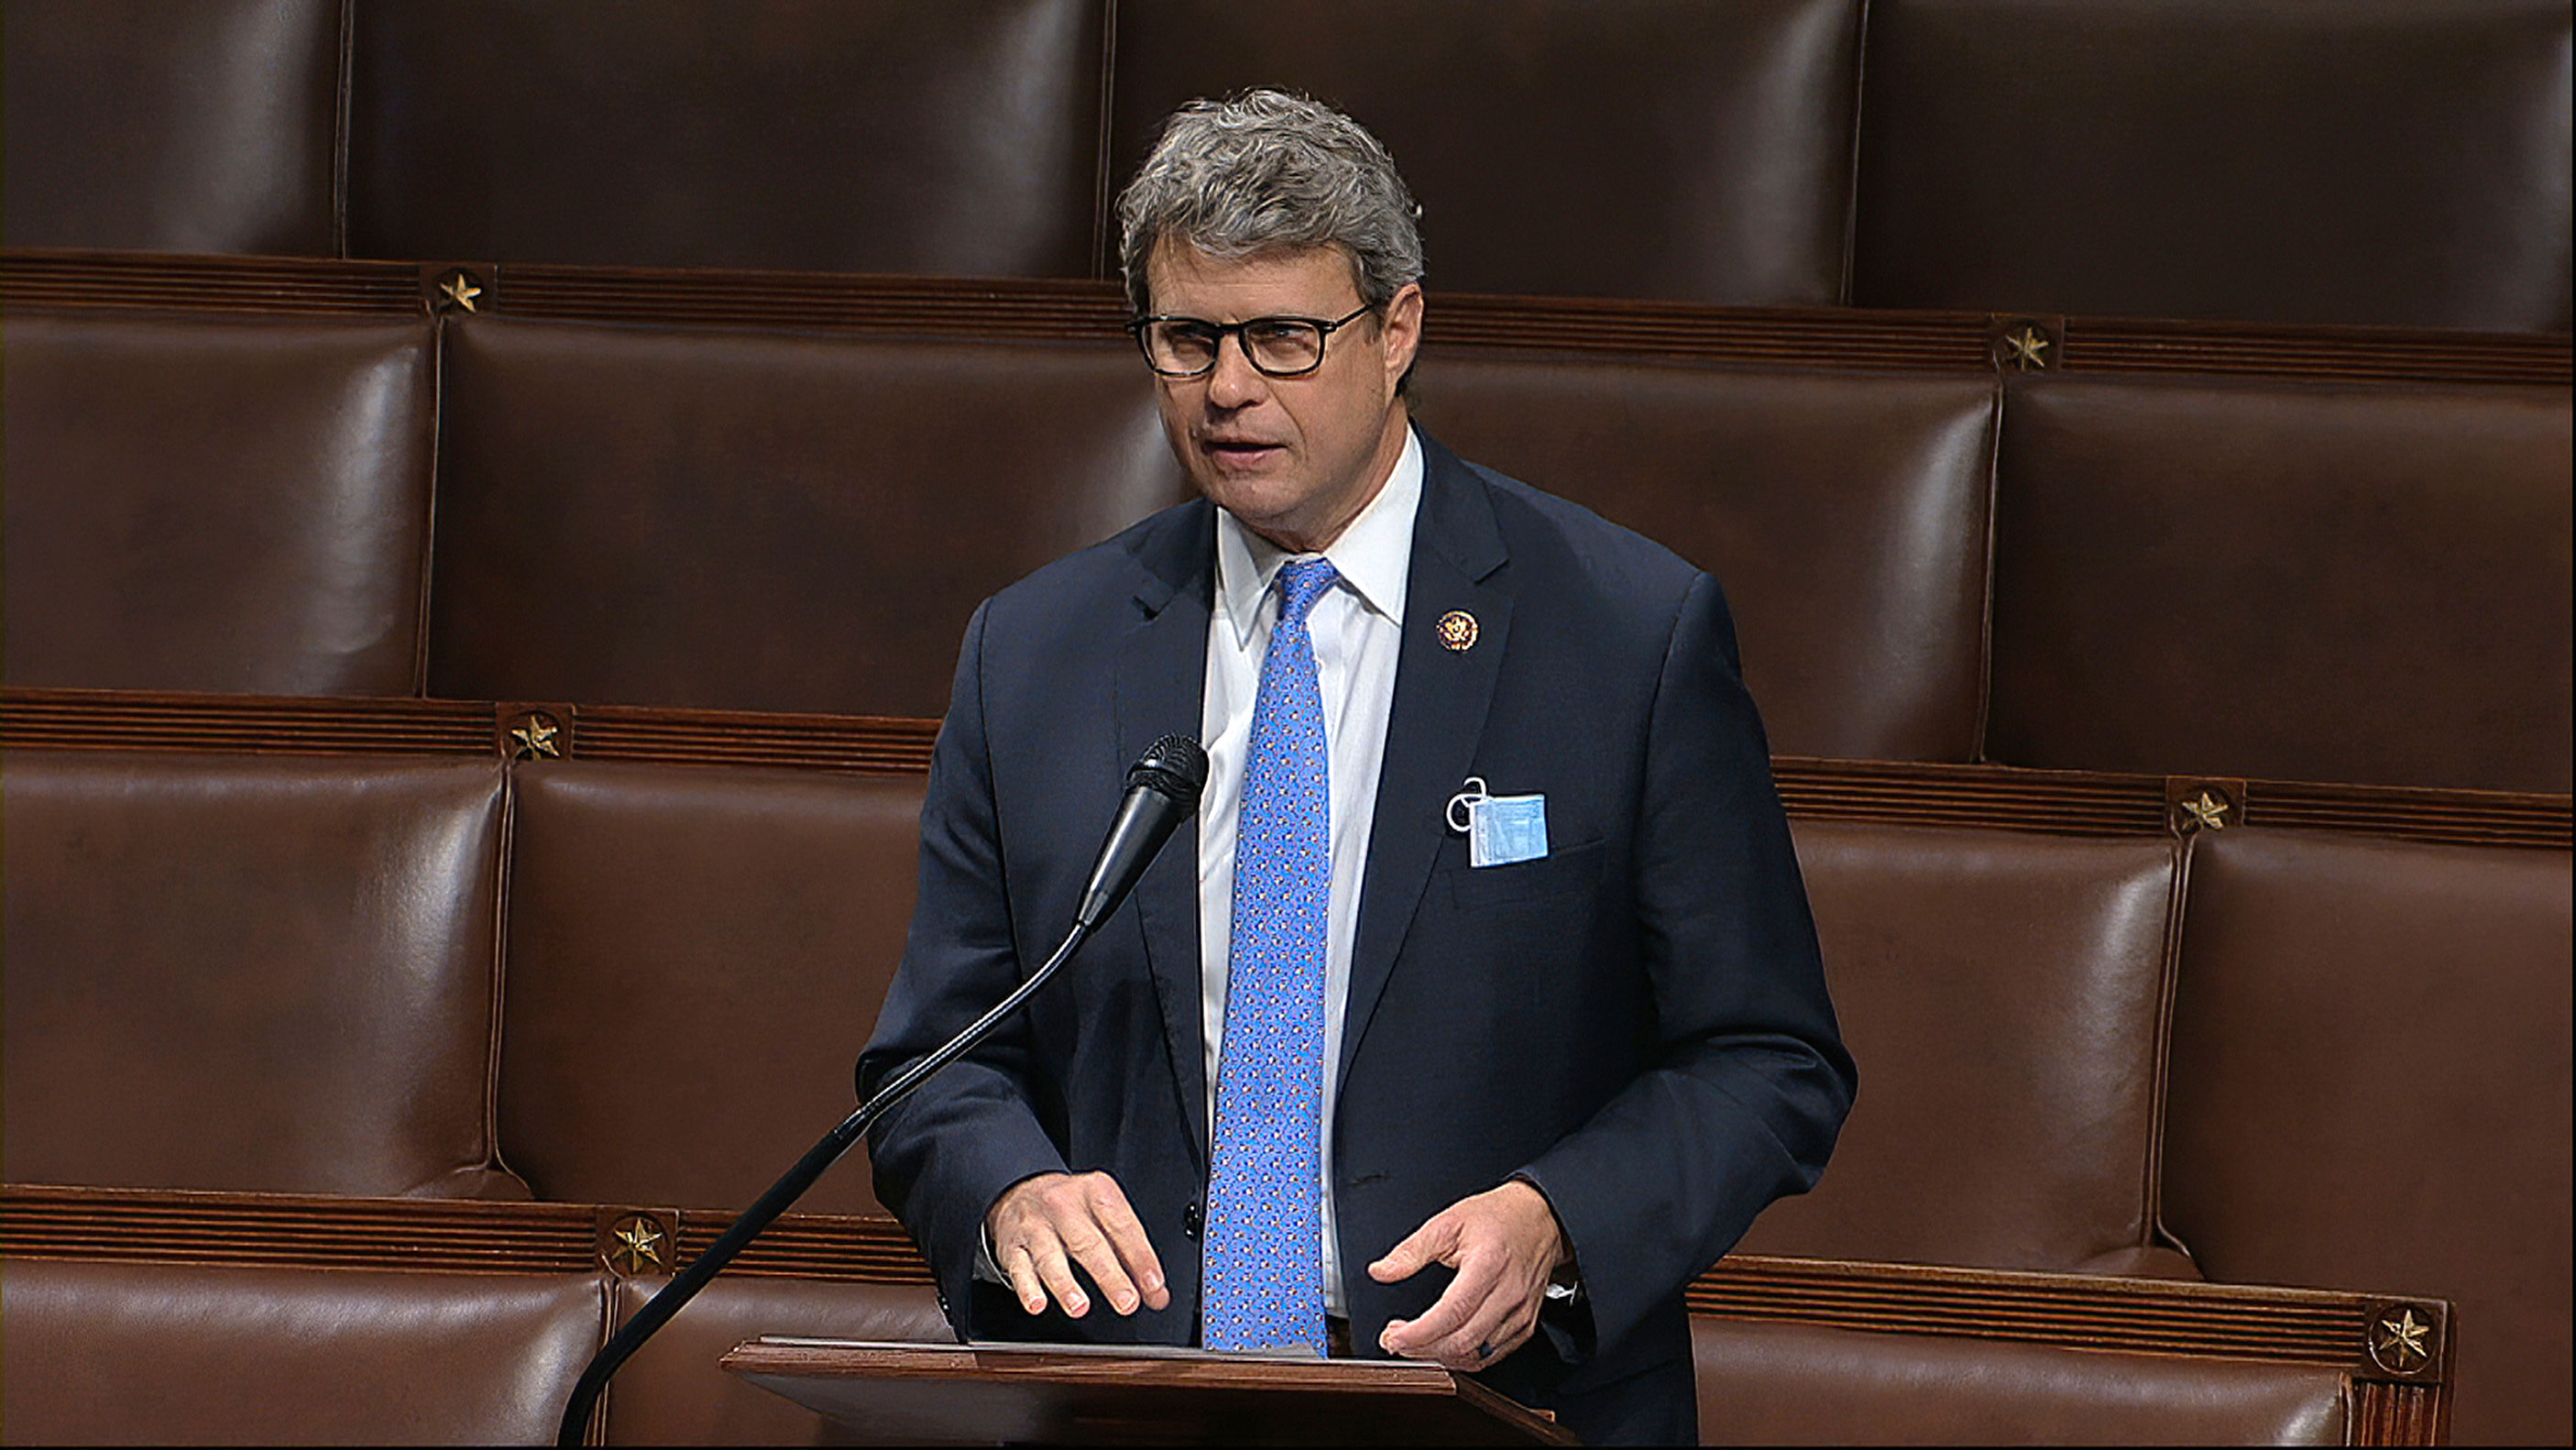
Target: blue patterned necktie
(1264, 1275)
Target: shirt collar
(1373, 555)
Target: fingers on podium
(1048, 1226)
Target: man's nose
(1233, 382)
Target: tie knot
(1301, 583)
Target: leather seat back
(763, 521)
(1808, 1384)
(2323, 583)
(696, 957)
(268, 973)
(673, 1393)
(1847, 518)
(2403, 162)
(1616, 148)
(2004, 995)
(961, 138)
(108, 1353)
(142, 125)
(218, 505)
(2371, 1079)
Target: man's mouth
(1237, 450)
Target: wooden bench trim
(1804, 339)
(2061, 802)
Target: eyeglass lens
(1274, 344)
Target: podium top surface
(1000, 1393)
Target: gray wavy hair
(1267, 171)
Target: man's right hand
(1042, 1226)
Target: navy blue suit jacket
(1637, 1023)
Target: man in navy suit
(1484, 1011)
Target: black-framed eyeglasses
(1278, 347)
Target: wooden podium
(986, 1394)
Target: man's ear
(1401, 336)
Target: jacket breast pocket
(1574, 871)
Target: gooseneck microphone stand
(675, 1295)
(1162, 787)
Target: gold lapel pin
(1457, 629)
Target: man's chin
(1253, 496)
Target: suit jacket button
(1190, 1221)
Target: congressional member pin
(1458, 629)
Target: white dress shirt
(1357, 627)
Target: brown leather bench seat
(847, 135)
(125, 1353)
(1807, 1384)
(762, 521)
(209, 126)
(2371, 1084)
(2402, 161)
(2363, 583)
(695, 957)
(114, 1350)
(2006, 992)
(268, 973)
(673, 1393)
(218, 503)
(1847, 516)
(1603, 148)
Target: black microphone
(1162, 790)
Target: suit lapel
(1161, 669)
(1435, 721)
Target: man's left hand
(1504, 1243)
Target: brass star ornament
(2402, 1342)
(637, 1245)
(2027, 348)
(537, 740)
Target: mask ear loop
(1462, 806)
